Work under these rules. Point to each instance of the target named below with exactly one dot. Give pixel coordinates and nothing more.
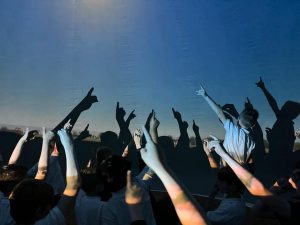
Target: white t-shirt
(231, 211)
(237, 142)
(88, 209)
(116, 211)
(55, 216)
(5, 218)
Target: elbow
(258, 189)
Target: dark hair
(89, 179)
(103, 153)
(249, 117)
(113, 171)
(227, 175)
(10, 176)
(30, 201)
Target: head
(290, 110)
(109, 139)
(90, 182)
(113, 172)
(103, 153)
(228, 182)
(10, 176)
(31, 200)
(248, 117)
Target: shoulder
(55, 216)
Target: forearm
(187, 212)
(43, 161)
(217, 109)
(271, 100)
(253, 185)
(154, 135)
(73, 115)
(212, 161)
(71, 174)
(16, 152)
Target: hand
(120, 112)
(133, 194)
(205, 146)
(176, 114)
(195, 127)
(297, 134)
(248, 104)
(131, 115)
(154, 123)
(25, 135)
(137, 137)
(260, 83)
(268, 133)
(215, 145)
(201, 92)
(84, 134)
(150, 153)
(88, 100)
(47, 136)
(32, 134)
(65, 138)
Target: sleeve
(227, 124)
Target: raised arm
(271, 100)
(183, 141)
(15, 155)
(211, 160)
(154, 123)
(43, 161)
(85, 104)
(187, 210)
(124, 135)
(199, 144)
(215, 107)
(253, 185)
(67, 201)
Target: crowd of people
(107, 193)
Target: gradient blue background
(146, 54)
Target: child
(238, 141)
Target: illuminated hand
(137, 137)
(201, 92)
(47, 136)
(268, 133)
(260, 83)
(215, 145)
(205, 146)
(297, 133)
(133, 194)
(150, 154)
(25, 135)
